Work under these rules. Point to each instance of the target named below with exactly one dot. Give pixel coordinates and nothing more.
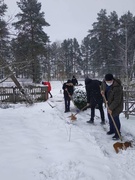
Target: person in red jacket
(47, 83)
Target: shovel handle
(69, 94)
(81, 110)
(112, 118)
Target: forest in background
(109, 46)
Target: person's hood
(117, 82)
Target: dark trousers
(117, 122)
(67, 103)
(100, 107)
(50, 94)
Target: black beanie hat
(108, 77)
(69, 81)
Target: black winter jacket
(69, 87)
(74, 81)
(93, 91)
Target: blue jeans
(117, 122)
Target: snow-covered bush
(80, 98)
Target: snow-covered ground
(39, 143)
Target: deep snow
(39, 143)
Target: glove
(102, 93)
(109, 111)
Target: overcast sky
(73, 18)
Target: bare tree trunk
(132, 68)
(14, 79)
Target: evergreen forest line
(109, 46)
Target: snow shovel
(112, 118)
(118, 145)
(73, 116)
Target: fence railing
(129, 103)
(40, 93)
(13, 95)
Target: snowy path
(96, 135)
(37, 143)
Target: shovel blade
(122, 146)
(73, 117)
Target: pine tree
(57, 62)
(71, 56)
(116, 63)
(85, 54)
(127, 43)
(4, 38)
(31, 40)
(104, 40)
(101, 32)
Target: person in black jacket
(74, 81)
(94, 98)
(68, 92)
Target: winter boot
(115, 137)
(91, 121)
(102, 122)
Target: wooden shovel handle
(112, 118)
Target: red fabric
(48, 84)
